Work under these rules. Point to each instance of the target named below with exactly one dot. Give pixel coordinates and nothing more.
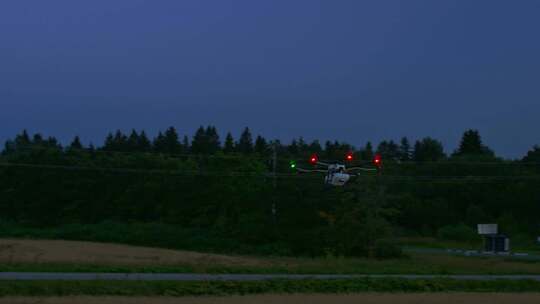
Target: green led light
(293, 165)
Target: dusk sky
(337, 69)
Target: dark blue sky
(336, 69)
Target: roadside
(71, 256)
(431, 298)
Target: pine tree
(345, 148)
(144, 144)
(185, 144)
(245, 144)
(329, 149)
(109, 143)
(52, 143)
(302, 146)
(428, 149)
(199, 144)
(388, 150)
(367, 152)
(38, 140)
(471, 144)
(405, 149)
(9, 148)
(229, 143)
(315, 147)
(76, 144)
(22, 140)
(133, 141)
(276, 144)
(261, 146)
(120, 142)
(393, 150)
(533, 155)
(293, 147)
(382, 149)
(172, 142)
(159, 143)
(212, 139)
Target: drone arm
(310, 171)
(361, 169)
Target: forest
(202, 193)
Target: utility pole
(274, 180)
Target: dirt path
(52, 251)
(450, 298)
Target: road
(34, 276)
(364, 298)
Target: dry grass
(441, 298)
(58, 252)
(72, 252)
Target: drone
(337, 174)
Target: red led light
(314, 159)
(377, 160)
(349, 156)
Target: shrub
(459, 232)
(387, 249)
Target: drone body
(338, 174)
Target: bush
(221, 288)
(387, 249)
(460, 233)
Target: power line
(189, 173)
(389, 162)
(151, 153)
(179, 172)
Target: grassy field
(369, 298)
(72, 256)
(226, 288)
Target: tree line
(206, 141)
(422, 192)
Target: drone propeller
(361, 169)
(323, 164)
(309, 171)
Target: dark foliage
(218, 198)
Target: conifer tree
(120, 142)
(471, 144)
(109, 143)
(428, 149)
(38, 140)
(133, 141)
(405, 149)
(185, 144)
(22, 140)
(171, 141)
(159, 143)
(76, 144)
(315, 147)
(367, 153)
(533, 155)
(199, 144)
(53, 143)
(302, 146)
(212, 140)
(229, 143)
(143, 143)
(261, 146)
(330, 149)
(293, 147)
(245, 144)
(388, 150)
